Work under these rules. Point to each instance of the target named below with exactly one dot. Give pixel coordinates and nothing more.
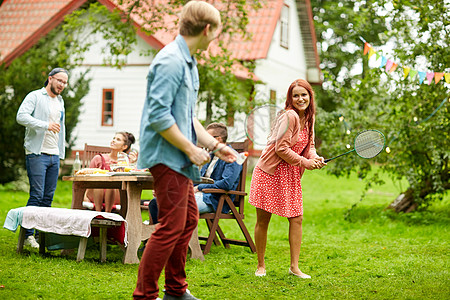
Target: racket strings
(369, 144)
(263, 126)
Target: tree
(401, 108)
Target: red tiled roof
(24, 22)
(261, 26)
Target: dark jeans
(43, 173)
(168, 245)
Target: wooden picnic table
(130, 187)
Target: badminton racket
(266, 124)
(368, 144)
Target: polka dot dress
(281, 193)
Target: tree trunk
(404, 203)
(208, 110)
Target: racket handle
(328, 159)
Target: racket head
(369, 143)
(265, 124)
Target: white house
(283, 47)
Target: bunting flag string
(390, 66)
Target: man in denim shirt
(42, 113)
(169, 134)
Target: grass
(375, 254)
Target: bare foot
(299, 274)
(260, 271)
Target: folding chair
(237, 211)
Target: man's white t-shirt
(50, 144)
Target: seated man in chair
(225, 176)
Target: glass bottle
(76, 163)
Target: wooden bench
(102, 224)
(65, 222)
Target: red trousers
(168, 245)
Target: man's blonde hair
(195, 15)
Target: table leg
(77, 195)
(21, 240)
(194, 244)
(42, 242)
(134, 220)
(82, 248)
(103, 241)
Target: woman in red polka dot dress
(276, 187)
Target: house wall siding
(277, 71)
(282, 66)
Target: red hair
(310, 111)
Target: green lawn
(373, 255)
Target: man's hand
(225, 153)
(54, 127)
(198, 156)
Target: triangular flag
(437, 77)
(394, 66)
(378, 55)
(447, 77)
(371, 52)
(383, 61)
(412, 74)
(406, 72)
(366, 48)
(389, 64)
(430, 76)
(422, 76)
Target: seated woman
(121, 142)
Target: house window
(108, 107)
(284, 22)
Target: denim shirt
(172, 89)
(226, 177)
(34, 114)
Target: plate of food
(92, 172)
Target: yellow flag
(406, 72)
(447, 77)
(371, 52)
